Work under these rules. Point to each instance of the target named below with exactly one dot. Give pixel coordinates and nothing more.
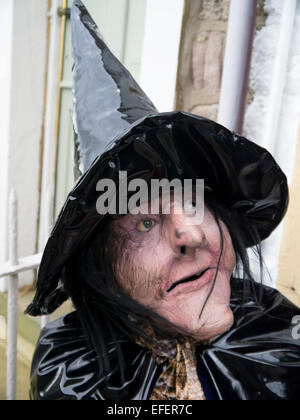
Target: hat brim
(242, 175)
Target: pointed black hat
(107, 100)
(119, 126)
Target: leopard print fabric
(180, 380)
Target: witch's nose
(185, 238)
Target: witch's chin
(208, 330)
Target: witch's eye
(144, 225)
(190, 206)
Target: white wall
(284, 144)
(49, 155)
(160, 51)
(24, 110)
(6, 31)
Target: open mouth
(196, 276)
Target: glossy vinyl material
(256, 360)
(243, 177)
(65, 368)
(107, 100)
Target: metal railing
(11, 270)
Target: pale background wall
(283, 145)
(201, 57)
(160, 51)
(202, 53)
(6, 31)
(289, 267)
(23, 36)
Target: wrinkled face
(169, 266)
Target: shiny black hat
(107, 100)
(136, 138)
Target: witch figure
(164, 308)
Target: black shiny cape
(258, 359)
